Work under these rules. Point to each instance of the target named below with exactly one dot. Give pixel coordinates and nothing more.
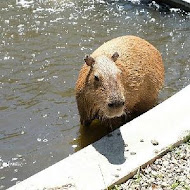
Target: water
(42, 46)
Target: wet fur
(141, 78)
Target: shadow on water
(111, 146)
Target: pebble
(156, 151)
(14, 179)
(125, 145)
(172, 171)
(165, 163)
(164, 184)
(132, 153)
(154, 142)
(19, 155)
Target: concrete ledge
(115, 158)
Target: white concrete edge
(115, 158)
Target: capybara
(119, 80)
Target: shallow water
(43, 44)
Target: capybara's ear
(89, 61)
(115, 56)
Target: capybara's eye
(96, 78)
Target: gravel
(172, 171)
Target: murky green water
(42, 46)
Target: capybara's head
(104, 85)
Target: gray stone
(155, 142)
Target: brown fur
(141, 78)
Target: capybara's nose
(116, 104)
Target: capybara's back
(120, 80)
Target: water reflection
(42, 47)
(90, 134)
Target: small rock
(164, 184)
(14, 179)
(169, 155)
(109, 135)
(165, 163)
(154, 142)
(154, 167)
(125, 145)
(156, 151)
(154, 187)
(19, 155)
(178, 170)
(187, 181)
(170, 175)
(141, 140)
(132, 153)
(154, 173)
(182, 178)
(149, 169)
(152, 180)
(145, 185)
